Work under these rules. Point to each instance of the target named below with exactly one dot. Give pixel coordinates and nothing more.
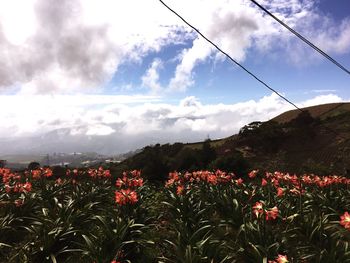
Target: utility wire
(312, 46)
(302, 38)
(238, 64)
(249, 72)
(230, 58)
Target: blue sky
(105, 68)
(295, 76)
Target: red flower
(133, 197)
(27, 186)
(136, 182)
(123, 197)
(272, 213)
(36, 174)
(345, 220)
(119, 183)
(263, 182)
(107, 173)
(17, 187)
(258, 209)
(253, 173)
(282, 259)
(19, 202)
(180, 189)
(7, 188)
(120, 199)
(136, 173)
(59, 181)
(169, 182)
(212, 179)
(239, 181)
(280, 191)
(48, 172)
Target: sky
(90, 71)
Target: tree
(187, 159)
(250, 128)
(303, 126)
(208, 153)
(233, 162)
(33, 166)
(303, 119)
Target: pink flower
(253, 173)
(123, 197)
(239, 181)
(280, 191)
(59, 181)
(345, 220)
(27, 186)
(258, 209)
(282, 259)
(272, 213)
(180, 189)
(19, 202)
(119, 183)
(48, 172)
(107, 174)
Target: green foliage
(187, 159)
(231, 162)
(208, 154)
(263, 136)
(33, 165)
(198, 217)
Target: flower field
(91, 215)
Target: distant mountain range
(65, 141)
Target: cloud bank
(132, 121)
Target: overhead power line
(247, 71)
(230, 58)
(302, 38)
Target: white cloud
(323, 91)
(28, 115)
(325, 32)
(151, 77)
(111, 124)
(78, 45)
(190, 58)
(24, 115)
(100, 130)
(330, 36)
(321, 99)
(75, 45)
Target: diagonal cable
(245, 69)
(230, 58)
(304, 39)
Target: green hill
(315, 141)
(320, 111)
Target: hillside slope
(316, 141)
(319, 111)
